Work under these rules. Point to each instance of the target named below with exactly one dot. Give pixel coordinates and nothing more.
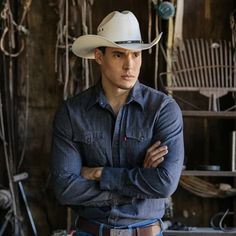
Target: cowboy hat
(119, 30)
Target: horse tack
(73, 18)
(10, 27)
(11, 32)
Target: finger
(155, 155)
(154, 146)
(86, 172)
(158, 152)
(153, 158)
(152, 163)
(155, 163)
(83, 171)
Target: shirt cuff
(111, 179)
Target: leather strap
(150, 230)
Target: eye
(117, 55)
(136, 54)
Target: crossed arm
(154, 156)
(75, 184)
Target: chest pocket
(90, 137)
(91, 146)
(136, 144)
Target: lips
(127, 77)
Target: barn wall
(45, 94)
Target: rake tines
(205, 66)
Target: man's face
(119, 67)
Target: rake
(204, 66)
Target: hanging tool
(27, 208)
(12, 32)
(18, 179)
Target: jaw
(119, 84)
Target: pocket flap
(140, 135)
(89, 137)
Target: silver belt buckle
(121, 232)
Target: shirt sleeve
(157, 182)
(69, 186)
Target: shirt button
(141, 138)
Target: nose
(128, 62)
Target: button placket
(116, 139)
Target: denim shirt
(86, 132)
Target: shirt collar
(98, 96)
(136, 95)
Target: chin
(126, 86)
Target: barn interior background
(38, 71)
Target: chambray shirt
(87, 133)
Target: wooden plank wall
(207, 141)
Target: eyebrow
(118, 52)
(121, 52)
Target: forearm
(75, 190)
(141, 182)
(158, 178)
(70, 187)
(157, 182)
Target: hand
(93, 173)
(155, 155)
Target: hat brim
(84, 45)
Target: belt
(89, 227)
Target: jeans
(139, 224)
(82, 233)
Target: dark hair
(102, 49)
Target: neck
(116, 97)
(117, 100)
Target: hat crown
(120, 26)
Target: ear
(98, 56)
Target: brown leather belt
(150, 230)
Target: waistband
(93, 228)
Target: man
(110, 160)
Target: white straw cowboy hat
(119, 30)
